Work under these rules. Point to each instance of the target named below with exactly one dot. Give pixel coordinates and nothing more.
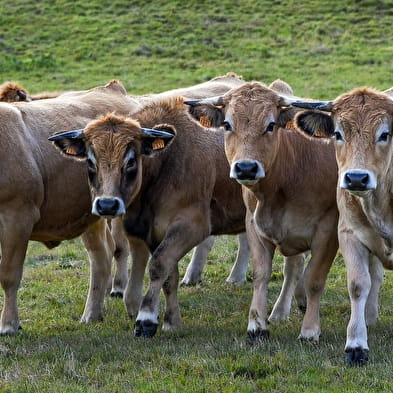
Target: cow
(45, 197)
(288, 208)
(360, 124)
(14, 92)
(144, 175)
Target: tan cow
(360, 123)
(145, 176)
(45, 196)
(288, 207)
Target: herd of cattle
(156, 175)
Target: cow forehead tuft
(364, 99)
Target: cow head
(113, 147)
(13, 92)
(251, 115)
(360, 122)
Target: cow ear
(207, 114)
(314, 124)
(286, 117)
(157, 138)
(70, 143)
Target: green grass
(322, 49)
(54, 352)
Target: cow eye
(383, 137)
(338, 136)
(130, 165)
(270, 127)
(227, 126)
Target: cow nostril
(365, 179)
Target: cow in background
(14, 92)
(288, 207)
(171, 185)
(360, 124)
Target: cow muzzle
(358, 180)
(247, 172)
(108, 207)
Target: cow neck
(297, 162)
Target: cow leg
(11, 268)
(239, 269)
(262, 253)
(194, 270)
(315, 274)
(376, 272)
(172, 316)
(133, 294)
(356, 258)
(180, 238)
(122, 251)
(300, 292)
(293, 271)
(100, 247)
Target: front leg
(133, 294)
(100, 247)
(356, 257)
(122, 251)
(182, 235)
(262, 252)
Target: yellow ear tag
(71, 150)
(158, 143)
(205, 121)
(290, 125)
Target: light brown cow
(147, 178)
(360, 122)
(45, 197)
(288, 207)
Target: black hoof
(117, 294)
(256, 336)
(145, 328)
(356, 356)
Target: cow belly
(49, 231)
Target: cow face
(113, 147)
(251, 116)
(361, 124)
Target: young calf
(289, 208)
(360, 123)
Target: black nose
(246, 170)
(357, 181)
(107, 206)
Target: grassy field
(322, 49)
